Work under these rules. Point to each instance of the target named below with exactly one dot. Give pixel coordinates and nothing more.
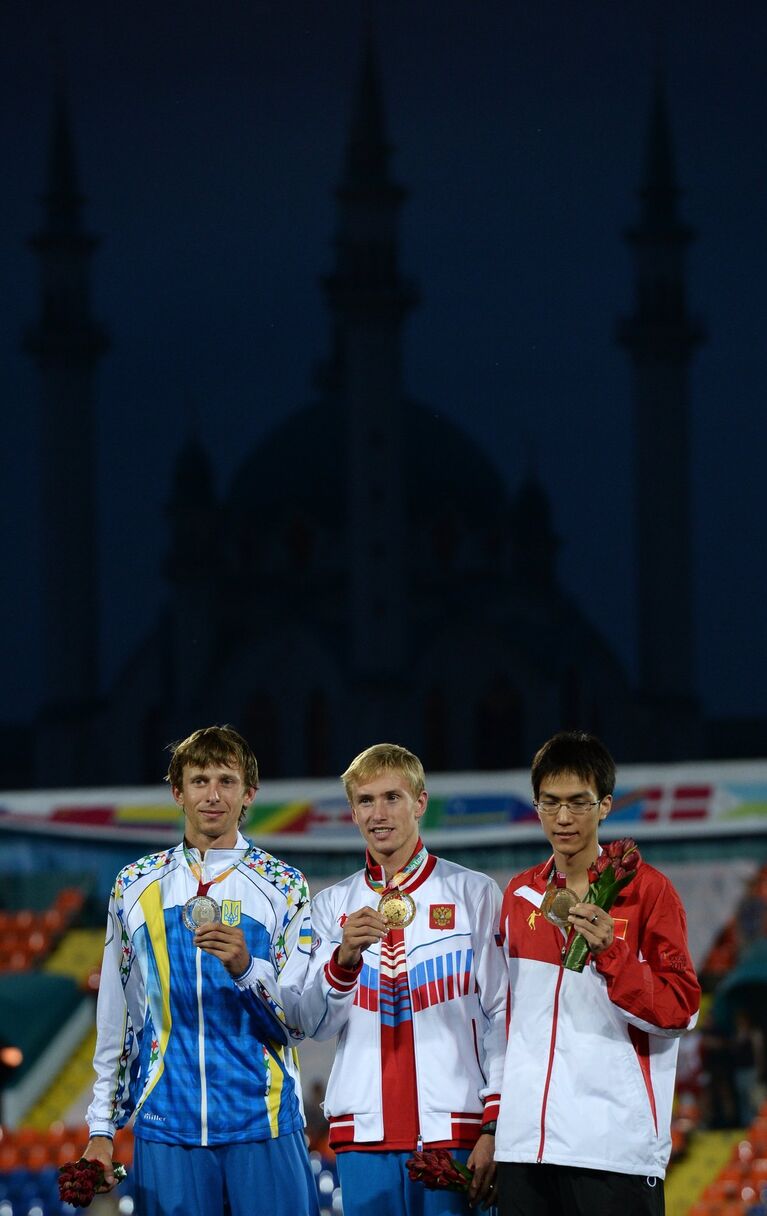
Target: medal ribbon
(204, 887)
(394, 883)
(557, 882)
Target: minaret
(66, 344)
(193, 514)
(369, 300)
(661, 336)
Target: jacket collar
(374, 873)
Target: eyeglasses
(576, 806)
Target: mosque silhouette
(402, 592)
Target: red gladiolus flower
(439, 1171)
(80, 1181)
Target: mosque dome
(455, 499)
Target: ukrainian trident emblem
(230, 911)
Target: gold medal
(397, 908)
(200, 910)
(556, 905)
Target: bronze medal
(397, 908)
(556, 905)
(200, 910)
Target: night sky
(209, 138)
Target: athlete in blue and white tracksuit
(192, 1052)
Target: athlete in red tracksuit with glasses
(584, 1123)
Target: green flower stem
(602, 894)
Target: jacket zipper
(419, 1137)
(552, 1046)
(201, 1055)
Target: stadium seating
(29, 1167)
(27, 935)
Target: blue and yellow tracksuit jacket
(199, 1059)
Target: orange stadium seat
(66, 1150)
(736, 1172)
(57, 1133)
(19, 960)
(93, 979)
(25, 1137)
(10, 1156)
(53, 921)
(721, 1189)
(36, 1156)
(13, 939)
(69, 901)
(758, 1172)
(39, 943)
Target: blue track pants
(377, 1184)
(260, 1176)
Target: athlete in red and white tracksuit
(443, 977)
(408, 971)
(588, 1082)
(591, 1057)
(421, 1025)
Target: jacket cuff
(612, 959)
(102, 1127)
(343, 979)
(245, 981)
(491, 1111)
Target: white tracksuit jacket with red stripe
(591, 1057)
(456, 976)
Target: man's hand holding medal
(224, 942)
(202, 916)
(595, 926)
(363, 928)
(615, 866)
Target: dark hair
(212, 745)
(575, 751)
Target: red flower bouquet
(612, 870)
(438, 1171)
(79, 1181)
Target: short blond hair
(384, 758)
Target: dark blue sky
(209, 141)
